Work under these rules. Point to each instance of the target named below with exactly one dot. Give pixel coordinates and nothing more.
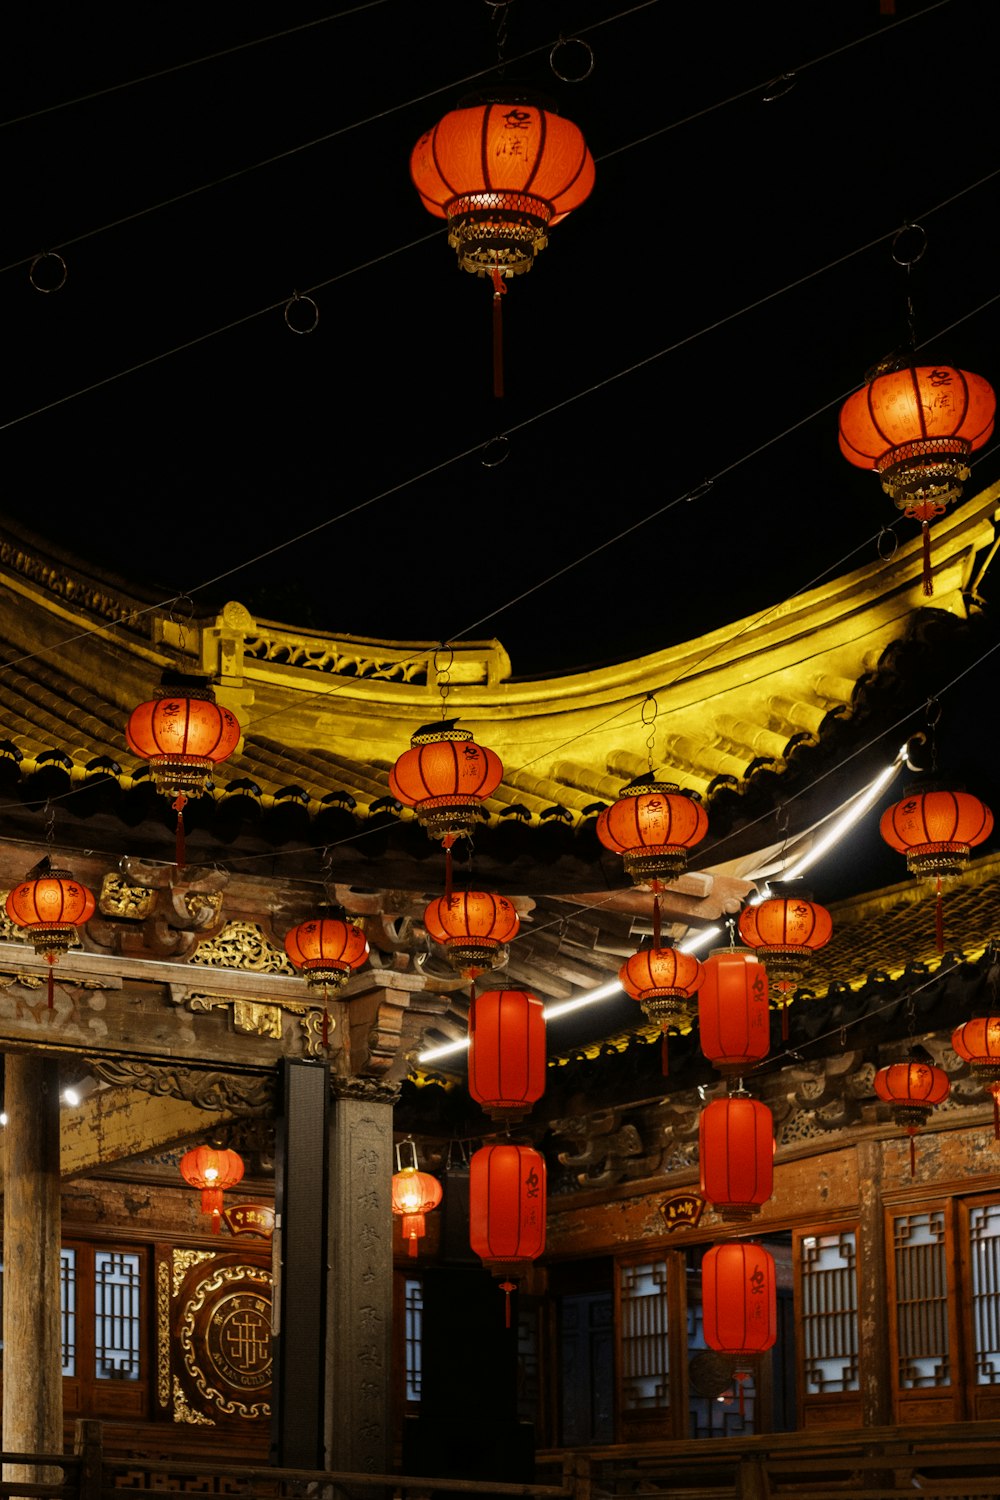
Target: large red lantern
(736, 1156)
(664, 981)
(739, 1299)
(785, 932)
(473, 928)
(913, 1089)
(916, 428)
(212, 1171)
(733, 1016)
(184, 735)
(506, 1052)
(446, 777)
(50, 908)
(507, 1205)
(414, 1194)
(652, 825)
(937, 831)
(501, 171)
(327, 950)
(977, 1042)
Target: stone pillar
(32, 1387)
(359, 1293)
(873, 1292)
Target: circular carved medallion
(225, 1339)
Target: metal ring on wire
(921, 243)
(38, 261)
(495, 452)
(780, 86)
(893, 547)
(587, 58)
(309, 301)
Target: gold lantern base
(493, 232)
(655, 862)
(450, 817)
(928, 861)
(50, 939)
(924, 477)
(667, 1009)
(181, 776)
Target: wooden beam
(116, 1124)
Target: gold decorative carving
(318, 655)
(120, 899)
(237, 1339)
(163, 1333)
(242, 945)
(185, 1413)
(75, 590)
(183, 1260)
(252, 1017)
(26, 981)
(203, 906)
(243, 1095)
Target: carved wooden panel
(213, 1336)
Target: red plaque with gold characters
(250, 1218)
(682, 1209)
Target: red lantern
(507, 1204)
(936, 830)
(785, 931)
(912, 1088)
(184, 735)
(978, 1043)
(473, 927)
(506, 1052)
(212, 1171)
(663, 980)
(414, 1194)
(739, 1299)
(736, 1156)
(50, 908)
(445, 777)
(327, 950)
(652, 825)
(733, 1017)
(916, 428)
(501, 172)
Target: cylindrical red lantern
(913, 1089)
(445, 777)
(50, 909)
(506, 1052)
(327, 950)
(733, 1018)
(507, 1204)
(916, 428)
(414, 1194)
(652, 825)
(664, 981)
(936, 830)
(739, 1299)
(473, 928)
(977, 1042)
(212, 1171)
(736, 1156)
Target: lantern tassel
(50, 959)
(324, 1034)
(499, 290)
(784, 1016)
(448, 868)
(925, 534)
(939, 918)
(913, 1153)
(739, 1377)
(656, 914)
(413, 1246)
(507, 1287)
(215, 1222)
(178, 805)
(664, 1053)
(996, 1116)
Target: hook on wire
(578, 50)
(309, 313)
(35, 272)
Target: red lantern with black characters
(446, 777)
(473, 928)
(49, 907)
(913, 1089)
(785, 932)
(507, 1205)
(736, 1156)
(506, 1052)
(977, 1042)
(327, 950)
(739, 1302)
(733, 1015)
(212, 1170)
(937, 831)
(652, 826)
(183, 734)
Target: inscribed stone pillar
(359, 1293)
(873, 1309)
(32, 1387)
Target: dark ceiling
(634, 372)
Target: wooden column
(32, 1386)
(873, 1309)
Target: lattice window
(923, 1349)
(645, 1360)
(67, 1285)
(413, 1326)
(116, 1315)
(829, 1312)
(984, 1245)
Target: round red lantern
(739, 1299)
(916, 428)
(977, 1042)
(733, 1016)
(414, 1194)
(445, 777)
(184, 735)
(506, 1052)
(473, 928)
(652, 825)
(936, 830)
(912, 1088)
(507, 1204)
(785, 932)
(50, 909)
(664, 981)
(212, 1171)
(736, 1156)
(327, 950)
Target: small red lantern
(937, 831)
(50, 908)
(501, 171)
(473, 927)
(507, 1204)
(785, 932)
(446, 777)
(414, 1194)
(978, 1043)
(327, 950)
(506, 1052)
(663, 980)
(736, 1156)
(912, 1088)
(652, 825)
(184, 735)
(733, 1016)
(212, 1171)
(916, 428)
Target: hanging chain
(908, 259)
(50, 824)
(444, 658)
(499, 9)
(932, 713)
(650, 709)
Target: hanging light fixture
(936, 830)
(506, 1052)
(183, 734)
(652, 826)
(211, 1170)
(739, 1302)
(977, 1042)
(501, 170)
(446, 777)
(916, 427)
(507, 1204)
(733, 1015)
(736, 1155)
(414, 1194)
(664, 981)
(50, 906)
(912, 1089)
(785, 932)
(327, 950)
(473, 928)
